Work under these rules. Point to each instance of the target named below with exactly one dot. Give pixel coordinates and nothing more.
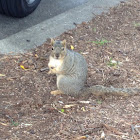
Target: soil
(111, 45)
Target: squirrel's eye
(52, 49)
(62, 48)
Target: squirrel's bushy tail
(100, 90)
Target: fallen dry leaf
(3, 124)
(72, 47)
(69, 106)
(2, 75)
(83, 109)
(81, 137)
(36, 55)
(23, 67)
(84, 102)
(103, 135)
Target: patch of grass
(113, 63)
(13, 123)
(137, 24)
(62, 110)
(101, 43)
(99, 101)
(94, 30)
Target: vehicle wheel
(18, 8)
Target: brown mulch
(28, 111)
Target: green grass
(101, 42)
(99, 101)
(13, 123)
(94, 30)
(137, 24)
(113, 63)
(62, 110)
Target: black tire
(17, 8)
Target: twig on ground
(44, 69)
(114, 130)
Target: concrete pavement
(46, 10)
(36, 35)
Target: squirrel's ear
(64, 43)
(52, 42)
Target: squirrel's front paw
(50, 72)
(56, 92)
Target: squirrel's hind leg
(56, 92)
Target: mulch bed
(111, 45)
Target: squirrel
(70, 68)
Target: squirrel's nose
(57, 55)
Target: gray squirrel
(70, 68)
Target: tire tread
(16, 8)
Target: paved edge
(35, 36)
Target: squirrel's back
(75, 74)
(78, 64)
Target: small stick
(44, 69)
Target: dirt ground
(111, 45)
